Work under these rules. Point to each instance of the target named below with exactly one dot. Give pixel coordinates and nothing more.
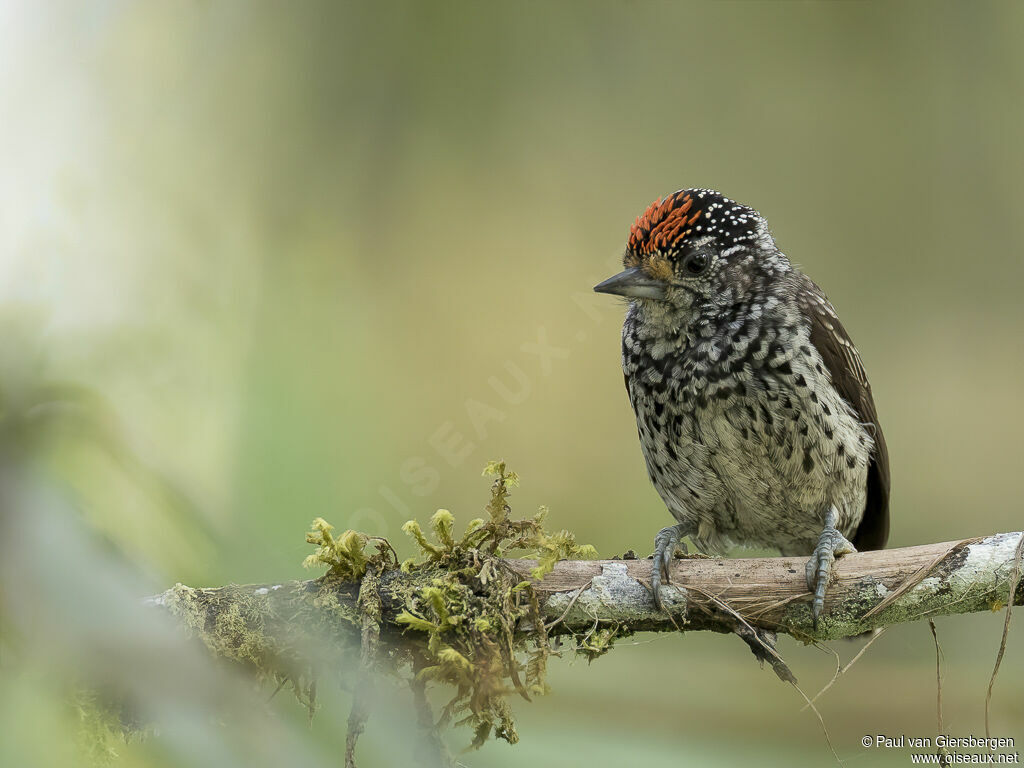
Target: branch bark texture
(870, 590)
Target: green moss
(464, 608)
(597, 642)
(345, 555)
(467, 604)
(473, 608)
(331, 611)
(557, 546)
(232, 622)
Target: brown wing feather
(851, 380)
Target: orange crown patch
(663, 225)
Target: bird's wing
(850, 379)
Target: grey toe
(831, 544)
(665, 544)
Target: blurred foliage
(70, 431)
(254, 259)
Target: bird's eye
(696, 262)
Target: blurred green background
(326, 259)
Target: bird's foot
(665, 544)
(831, 545)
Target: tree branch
(870, 590)
(464, 617)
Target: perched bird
(754, 411)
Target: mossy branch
(466, 615)
(931, 580)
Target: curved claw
(831, 544)
(665, 544)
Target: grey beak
(633, 283)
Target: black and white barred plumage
(754, 411)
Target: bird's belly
(757, 460)
(757, 471)
(782, 468)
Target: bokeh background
(261, 262)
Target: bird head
(694, 248)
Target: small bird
(754, 411)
